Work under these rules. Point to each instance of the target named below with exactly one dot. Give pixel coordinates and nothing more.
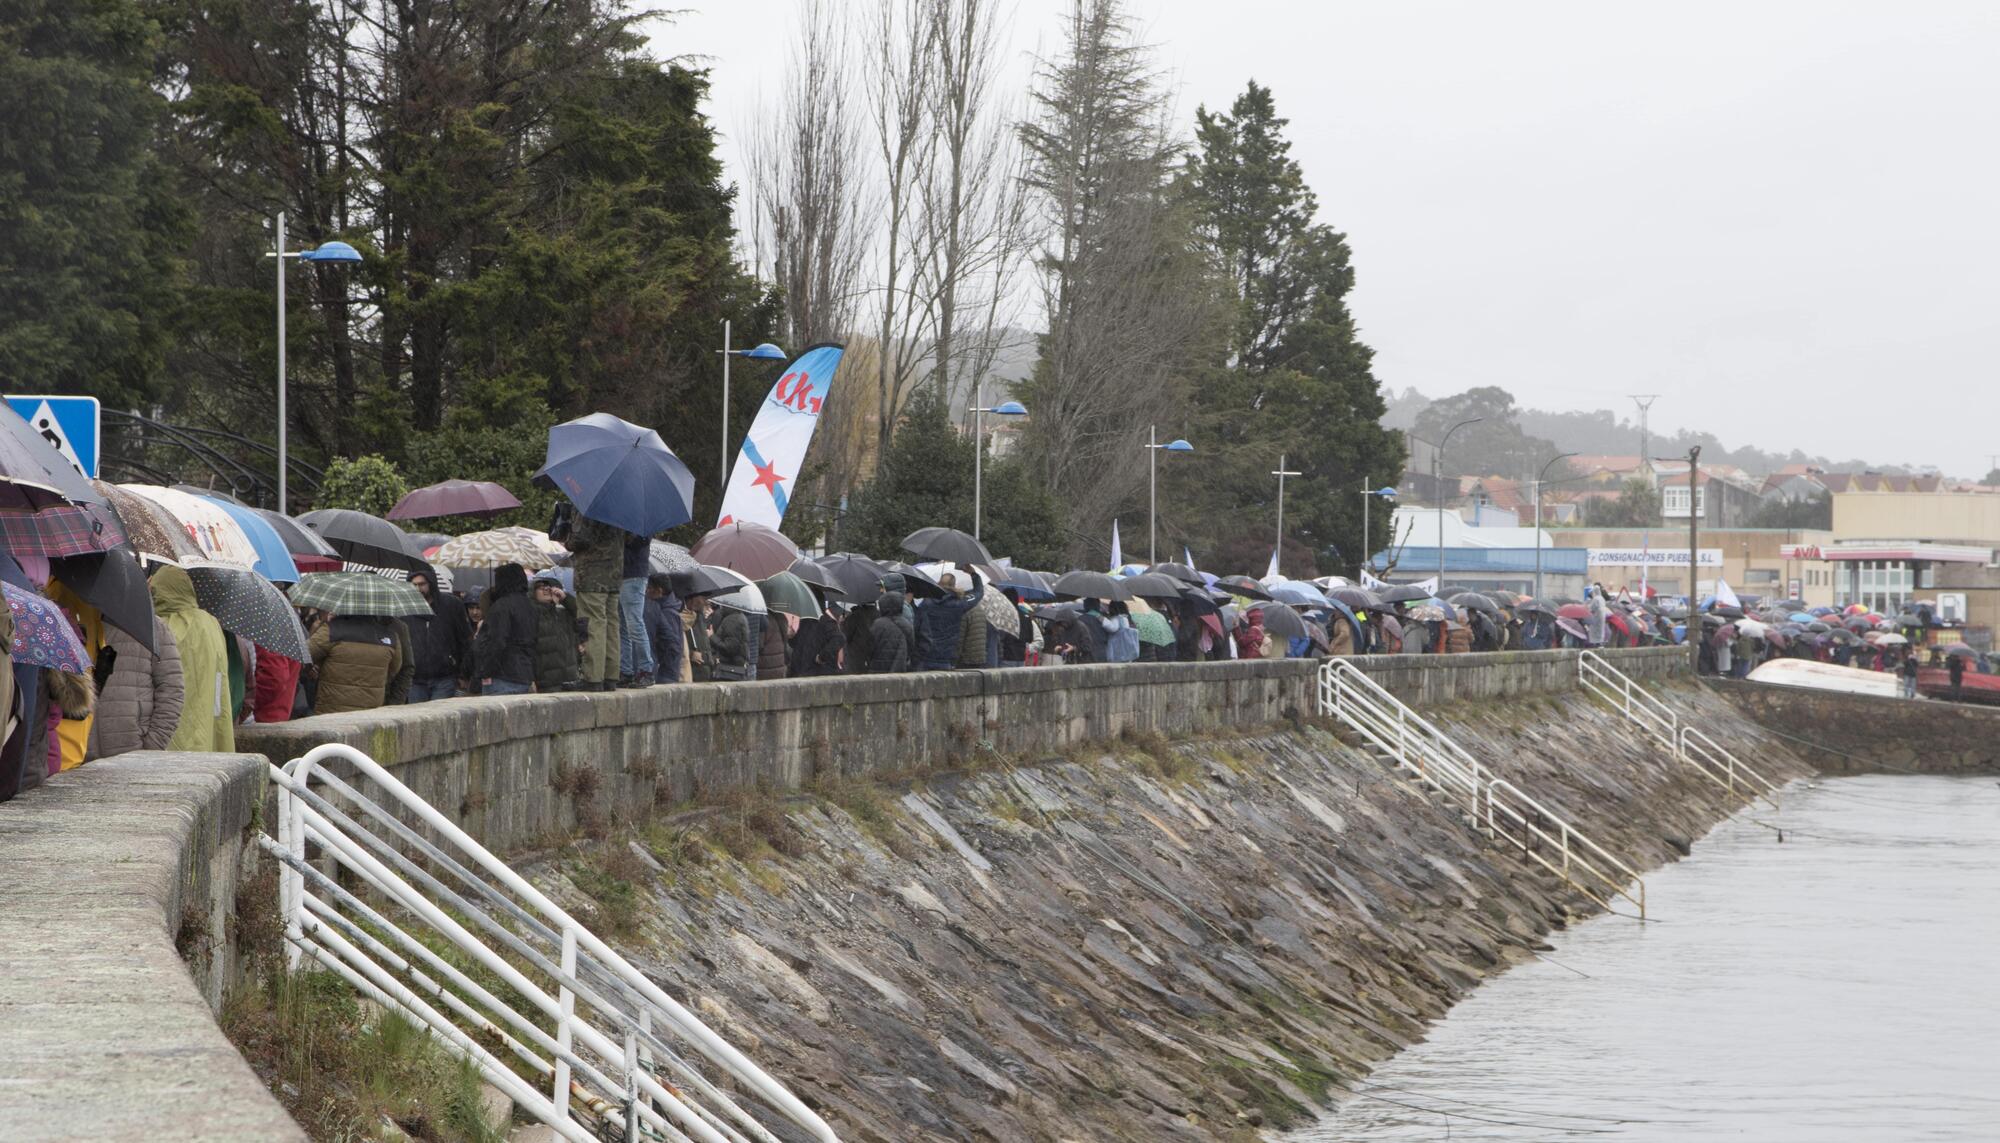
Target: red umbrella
(753, 550)
(454, 498)
(1573, 611)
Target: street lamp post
(764, 352)
(1369, 495)
(1003, 409)
(1539, 480)
(1153, 450)
(1278, 553)
(1437, 486)
(324, 252)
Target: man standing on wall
(635, 648)
(599, 564)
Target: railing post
(566, 1007)
(631, 1086)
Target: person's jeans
(635, 651)
(1909, 686)
(600, 654)
(504, 687)
(424, 690)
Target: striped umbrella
(490, 550)
(359, 593)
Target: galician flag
(1117, 553)
(760, 485)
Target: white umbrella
(219, 537)
(748, 597)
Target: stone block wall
(1853, 734)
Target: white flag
(774, 451)
(1117, 553)
(1725, 597)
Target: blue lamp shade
(331, 252)
(764, 352)
(1179, 445)
(1010, 409)
(1386, 493)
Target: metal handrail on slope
(1687, 744)
(597, 1049)
(1499, 807)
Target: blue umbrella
(1296, 591)
(618, 473)
(274, 558)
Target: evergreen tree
(88, 227)
(1295, 381)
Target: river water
(1842, 985)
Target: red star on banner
(767, 477)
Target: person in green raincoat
(207, 722)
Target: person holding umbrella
(666, 633)
(599, 562)
(139, 706)
(361, 659)
(940, 623)
(503, 652)
(635, 647)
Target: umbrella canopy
(857, 575)
(491, 549)
(151, 529)
(1474, 601)
(1297, 591)
(59, 530)
(1153, 628)
(1401, 593)
(753, 549)
(216, 534)
(817, 577)
(1242, 585)
(43, 635)
(1573, 629)
(1090, 585)
(298, 539)
(1180, 572)
(916, 581)
(946, 544)
(744, 597)
(619, 473)
(454, 498)
(359, 593)
(1153, 585)
(1573, 611)
(666, 559)
(1359, 598)
(1000, 612)
(1429, 613)
(1029, 585)
(33, 474)
(1752, 628)
(1960, 650)
(1890, 639)
(363, 539)
(274, 560)
(115, 585)
(1280, 620)
(788, 593)
(249, 605)
(703, 580)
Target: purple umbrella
(43, 635)
(454, 498)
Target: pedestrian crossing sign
(71, 424)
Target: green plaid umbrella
(359, 593)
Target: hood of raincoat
(173, 591)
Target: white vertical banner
(775, 449)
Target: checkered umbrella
(59, 530)
(359, 593)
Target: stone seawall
(120, 886)
(508, 768)
(1858, 734)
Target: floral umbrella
(43, 635)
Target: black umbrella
(1180, 572)
(915, 583)
(946, 544)
(1090, 585)
(115, 585)
(1401, 593)
(1027, 584)
(363, 539)
(1242, 585)
(857, 575)
(32, 473)
(1280, 620)
(299, 539)
(1359, 598)
(705, 580)
(247, 604)
(1149, 585)
(1476, 602)
(1961, 650)
(818, 576)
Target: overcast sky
(1779, 216)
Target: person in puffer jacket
(939, 623)
(140, 704)
(890, 637)
(359, 657)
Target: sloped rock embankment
(1147, 941)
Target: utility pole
(1645, 403)
(1278, 553)
(1694, 631)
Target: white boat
(1827, 677)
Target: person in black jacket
(891, 637)
(504, 650)
(729, 645)
(442, 639)
(940, 623)
(857, 631)
(816, 648)
(666, 634)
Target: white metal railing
(570, 1030)
(1686, 743)
(1499, 808)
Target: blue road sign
(69, 423)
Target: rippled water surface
(1843, 985)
